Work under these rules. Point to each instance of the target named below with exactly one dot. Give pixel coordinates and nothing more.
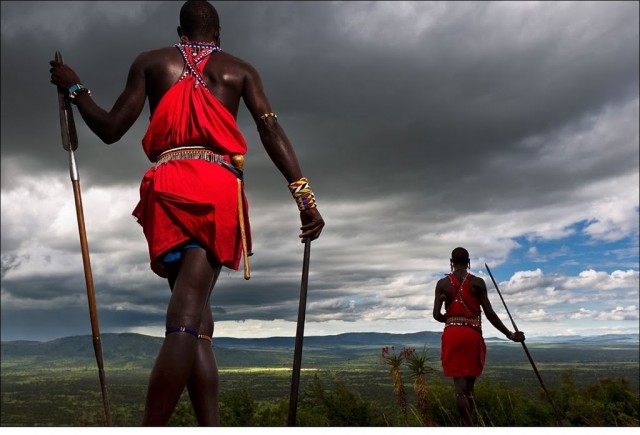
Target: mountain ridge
(343, 339)
(349, 350)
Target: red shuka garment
(191, 198)
(463, 350)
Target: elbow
(268, 131)
(108, 140)
(110, 137)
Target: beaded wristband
(76, 89)
(303, 194)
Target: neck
(459, 270)
(208, 39)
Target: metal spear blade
(67, 125)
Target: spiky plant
(394, 360)
(419, 367)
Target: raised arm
(277, 146)
(108, 126)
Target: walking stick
(238, 163)
(70, 143)
(524, 346)
(297, 354)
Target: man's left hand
(312, 224)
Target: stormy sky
(509, 128)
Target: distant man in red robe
(463, 349)
(189, 198)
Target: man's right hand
(518, 337)
(312, 224)
(62, 75)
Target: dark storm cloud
(419, 124)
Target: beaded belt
(474, 323)
(190, 152)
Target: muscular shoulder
(154, 58)
(478, 281)
(239, 66)
(443, 283)
(478, 285)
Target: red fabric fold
(190, 198)
(463, 350)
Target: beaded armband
(268, 115)
(76, 89)
(303, 194)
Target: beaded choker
(198, 49)
(193, 53)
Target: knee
(460, 387)
(181, 319)
(206, 327)
(184, 310)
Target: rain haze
(509, 128)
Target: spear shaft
(297, 354)
(70, 143)
(524, 346)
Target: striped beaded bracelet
(303, 194)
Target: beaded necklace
(459, 297)
(194, 52)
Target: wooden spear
(297, 354)
(70, 143)
(524, 346)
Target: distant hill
(347, 339)
(134, 350)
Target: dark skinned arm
(278, 147)
(108, 126)
(439, 300)
(491, 315)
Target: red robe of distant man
(189, 199)
(463, 350)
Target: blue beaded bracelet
(76, 89)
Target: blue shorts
(175, 253)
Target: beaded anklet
(205, 337)
(303, 195)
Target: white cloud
(619, 313)
(593, 280)
(476, 124)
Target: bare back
(227, 77)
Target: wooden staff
(524, 346)
(297, 354)
(70, 143)
(238, 162)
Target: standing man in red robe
(463, 349)
(189, 202)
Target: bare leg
(203, 382)
(470, 394)
(174, 363)
(462, 400)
